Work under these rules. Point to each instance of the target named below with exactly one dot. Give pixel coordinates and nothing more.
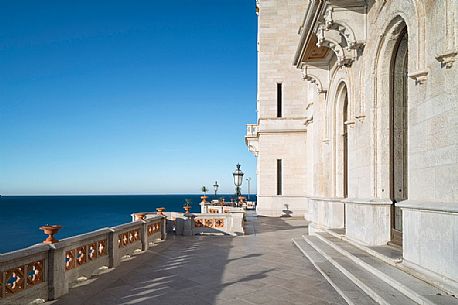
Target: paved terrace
(262, 267)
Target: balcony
(251, 138)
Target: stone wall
(280, 138)
(345, 51)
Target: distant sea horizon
(22, 215)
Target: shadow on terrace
(256, 268)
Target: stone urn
(51, 231)
(140, 216)
(160, 211)
(204, 199)
(187, 208)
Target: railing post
(163, 227)
(144, 235)
(113, 255)
(188, 225)
(57, 285)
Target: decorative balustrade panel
(217, 223)
(128, 238)
(154, 229)
(90, 252)
(23, 272)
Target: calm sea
(21, 216)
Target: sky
(125, 97)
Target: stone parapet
(47, 271)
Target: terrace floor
(262, 267)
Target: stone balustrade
(251, 130)
(188, 224)
(47, 271)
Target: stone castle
(357, 123)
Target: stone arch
(340, 140)
(339, 95)
(412, 12)
(381, 155)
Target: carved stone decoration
(81, 255)
(213, 211)
(447, 59)
(219, 223)
(209, 223)
(123, 240)
(14, 280)
(312, 79)
(420, 77)
(102, 247)
(34, 273)
(317, 75)
(198, 223)
(69, 259)
(135, 236)
(92, 251)
(332, 40)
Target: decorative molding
(447, 59)
(330, 39)
(319, 77)
(308, 121)
(420, 77)
(349, 122)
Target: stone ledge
(368, 201)
(445, 207)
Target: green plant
(204, 190)
(188, 202)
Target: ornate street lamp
(238, 179)
(215, 186)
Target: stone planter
(140, 216)
(51, 231)
(160, 211)
(204, 198)
(187, 208)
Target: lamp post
(248, 179)
(238, 179)
(215, 186)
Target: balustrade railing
(251, 130)
(47, 271)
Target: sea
(21, 216)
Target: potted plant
(187, 206)
(160, 211)
(204, 197)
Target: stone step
(414, 288)
(374, 287)
(350, 292)
(393, 256)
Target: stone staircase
(364, 277)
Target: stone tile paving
(262, 267)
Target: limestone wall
(362, 38)
(280, 138)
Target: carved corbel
(330, 39)
(317, 76)
(420, 77)
(447, 59)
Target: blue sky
(107, 97)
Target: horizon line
(120, 194)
